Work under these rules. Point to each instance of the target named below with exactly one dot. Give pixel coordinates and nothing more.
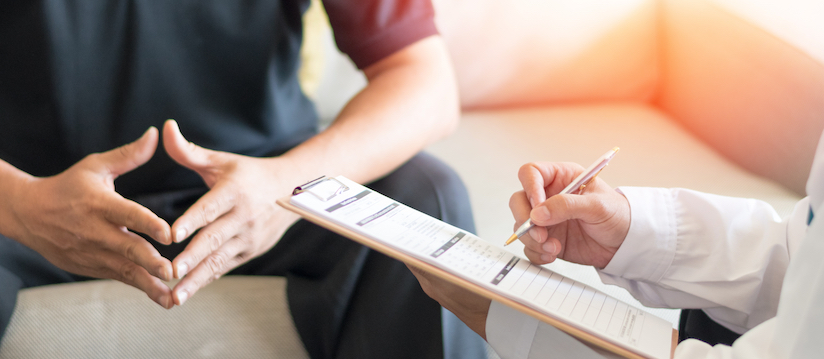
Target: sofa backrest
(747, 77)
(533, 52)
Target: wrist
(13, 191)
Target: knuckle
(214, 238)
(244, 256)
(560, 204)
(92, 159)
(128, 272)
(123, 151)
(216, 262)
(515, 199)
(526, 169)
(210, 211)
(599, 206)
(130, 252)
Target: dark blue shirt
(78, 77)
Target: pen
(576, 186)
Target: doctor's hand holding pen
(574, 215)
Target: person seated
(83, 78)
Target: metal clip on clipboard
(324, 188)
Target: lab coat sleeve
(687, 249)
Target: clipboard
(330, 194)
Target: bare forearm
(411, 101)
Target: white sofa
(723, 96)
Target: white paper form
(491, 266)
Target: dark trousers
(347, 301)
(695, 324)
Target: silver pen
(576, 186)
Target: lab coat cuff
(509, 332)
(649, 248)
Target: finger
(206, 210)
(520, 207)
(535, 257)
(137, 250)
(542, 180)
(529, 240)
(182, 151)
(210, 268)
(533, 182)
(129, 214)
(128, 157)
(561, 208)
(206, 242)
(126, 271)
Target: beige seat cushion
(490, 146)
(234, 317)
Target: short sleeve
(370, 30)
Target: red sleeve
(370, 30)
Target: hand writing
(585, 228)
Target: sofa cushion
(528, 52)
(234, 317)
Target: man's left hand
(469, 307)
(237, 219)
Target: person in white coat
(749, 270)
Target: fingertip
(163, 236)
(149, 138)
(166, 301)
(166, 271)
(549, 248)
(171, 131)
(535, 234)
(180, 234)
(181, 295)
(181, 269)
(150, 131)
(547, 258)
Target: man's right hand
(79, 223)
(585, 228)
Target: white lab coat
(748, 269)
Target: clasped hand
(78, 222)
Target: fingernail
(180, 235)
(163, 301)
(182, 295)
(160, 236)
(536, 236)
(164, 273)
(541, 214)
(549, 247)
(182, 268)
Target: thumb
(564, 207)
(181, 151)
(128, 157)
